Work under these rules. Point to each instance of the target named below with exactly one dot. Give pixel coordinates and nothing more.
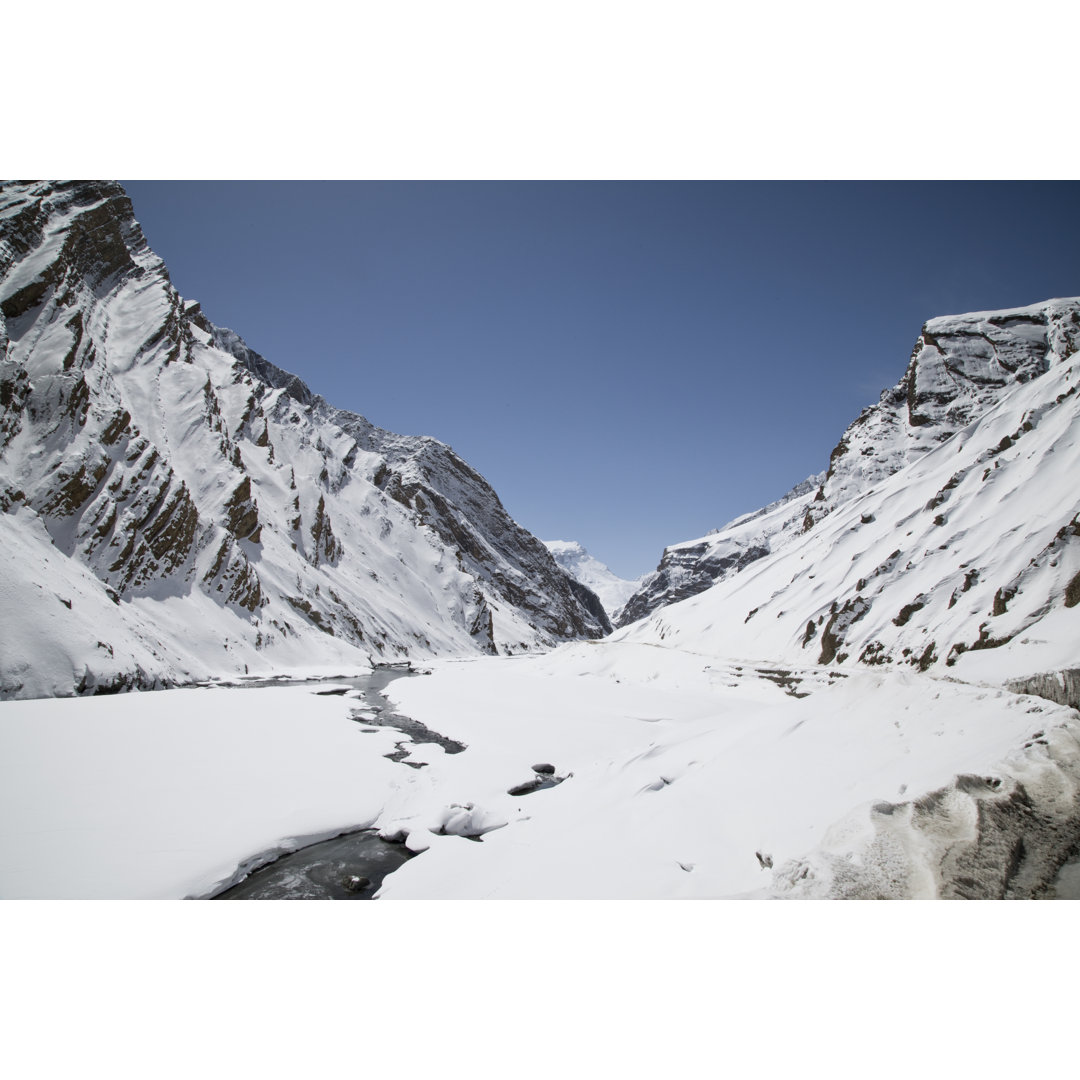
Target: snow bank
(163, 794)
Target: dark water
(350, 867)
(374, 710)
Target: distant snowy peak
(612, 590)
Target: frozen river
(351, 866)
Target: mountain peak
(198, 510)
(612, 590)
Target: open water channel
(350, 866)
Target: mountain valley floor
(612, 769)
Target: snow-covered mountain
(833, 696)
(945, 534)
(173, 506)
(612, 590)
(961, 367)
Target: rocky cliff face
(961, 368)
(177, 507)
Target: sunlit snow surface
(678, 771)
(959, 560)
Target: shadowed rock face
(445, 494)
(168, 459)
(685, 571)
(591, 603)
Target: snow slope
(962, 368)
(183, 508)
(951, 544)
(612, 590)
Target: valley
(237, 622)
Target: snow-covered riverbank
(682, 776)
(165, 794)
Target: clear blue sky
(628, 364)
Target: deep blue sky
(628, 364)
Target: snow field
(684, 769)
(681, 776)
(163, 794)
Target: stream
(350, 866)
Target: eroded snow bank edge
(1004, 836)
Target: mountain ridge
(156, 462)
(944, 534)
(946, 385)
(151, 459)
